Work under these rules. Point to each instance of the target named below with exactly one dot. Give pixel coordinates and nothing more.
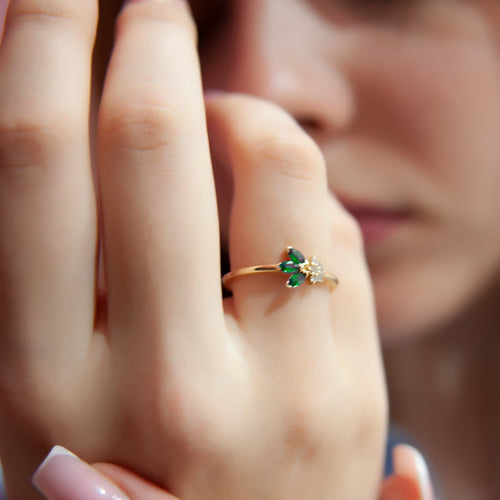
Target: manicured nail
(164, 1)
(62, 476)
(409, 462)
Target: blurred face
(403, 97)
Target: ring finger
(280, 199)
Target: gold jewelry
(297, 266)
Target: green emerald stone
(289, 267)
(295, 280)
(295, 256)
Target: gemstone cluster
(301, 269)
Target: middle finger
(161, 244)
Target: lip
(377, 224)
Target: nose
(283, 51)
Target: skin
(261, 395)
(63, 476)
(386, 94)
(390, 92)
(404, 100)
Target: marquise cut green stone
(289, 267)
(296, 280)
(296, 256)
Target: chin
(413, 305)
(406, 325)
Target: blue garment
(399, 436)
(3, 496)
(396, 436)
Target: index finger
(47, 202)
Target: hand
(411, 479)
(63, 476)
(272, 393)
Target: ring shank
(271, 268)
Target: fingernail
(163, 1)
(62, 475)
(409, 462)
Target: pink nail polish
(409, 462)
(62, 476)
(164, 1)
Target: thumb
(399, 487)
(63, 476)
(411, 477)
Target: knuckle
(173, 16)
(49, 13)
(30, 137)
(193, 419)
(141, 125)
(347, 231)
(308, 418)
(33, 8)
(290, 152)
(211, 439)
(300, 432)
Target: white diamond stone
(313, 269)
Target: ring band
(298, 267)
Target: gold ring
(298, 267)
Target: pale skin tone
(390, 139)
(408, 123)
(389, 97)
(63, 476)
(198, 394)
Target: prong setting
(301, 269)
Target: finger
(63, 476)
(158, 200)
(409, 462)
(400, 487)
(136, 487)
(47, 207)
(280, 199)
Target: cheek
(439, 102)
(443, 113)
(455, 128)
(456, 124)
